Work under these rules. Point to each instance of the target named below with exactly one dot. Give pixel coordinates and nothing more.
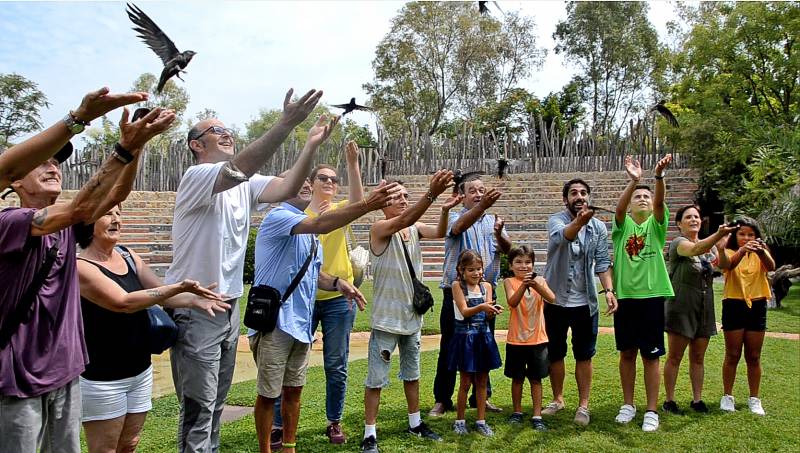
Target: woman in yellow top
(744, 309)
(331, 309)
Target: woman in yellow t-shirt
(745, 263)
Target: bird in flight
(174, 60)
(662, 110)
(483, 7)
(349, 107)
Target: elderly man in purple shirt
(42, 350)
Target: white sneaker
(650, 422)
(626, 414)
(727, 403)
(755, 406)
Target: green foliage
(737, 73)
(441, 60)
(250, 259)
(20, 102)
(617, 52)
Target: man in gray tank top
(394, 321)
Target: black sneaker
(369, 445)
(671, 407)
(538, 424)
(699, 406)
(424, 432)
(276, 439)
(516, 418)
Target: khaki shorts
(282, 361)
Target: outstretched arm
(19, 160)
(470, 217)
(256, 154)
(634, 171)
(280, 189)
(97, 191)
(355, 188)
(331, 220)
(440, 230)
(661, 188)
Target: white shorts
(105, 400)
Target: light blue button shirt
(595, 257)
(479, 237)
(279, 256)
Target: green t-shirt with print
(639, 268)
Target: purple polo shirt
(48, 351)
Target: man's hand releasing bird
(349, 107)
(174, 60)
(664, 111)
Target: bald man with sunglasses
(210, 230)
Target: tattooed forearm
(39, 217)
(154, 293)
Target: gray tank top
(392, 308)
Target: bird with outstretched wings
(350, 106)
(662, 110)
(174, 60)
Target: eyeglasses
(216, 130)
(325, 178)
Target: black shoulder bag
(264, 302)
(22, 311)
(162, 332)
(422, 298)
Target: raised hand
(499, 223)
(98, 103)
(633, 168)
(451, 202)
(296, 112)
(382, 195)
(584, 215)
(133, 136)
(440, 181)
(662, 164)
(351, 151)
(320, 131)
(489, 198)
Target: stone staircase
(527, 202)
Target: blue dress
(472, 348)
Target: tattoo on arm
(39, 217)
(154, 293)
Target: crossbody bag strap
(301, 272)
(19, 315)
(408, 258)
(126, 255)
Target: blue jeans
(336, 316)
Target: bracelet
(610, 290)
(335, 283)
(121, 154)
(658, 177)
(429, 196)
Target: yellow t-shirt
(526, 326)
(335, 259)
(748, 280)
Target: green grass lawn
(716, 431)
(786, 319)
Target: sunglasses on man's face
(216, 130)
(325, 178)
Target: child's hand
(529, 280)
(491, 309)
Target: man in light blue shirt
(283, 244)
(577, 249)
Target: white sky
(248, 53)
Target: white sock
(414, 420)
(537, 417)
(480, 422)
(369, 430)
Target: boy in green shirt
(642, 282)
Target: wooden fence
(539, 149)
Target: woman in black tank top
(116, 289)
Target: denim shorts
(381, 346)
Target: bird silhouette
(662, 110)
(349, 107)
(174, 60)
(483, 7)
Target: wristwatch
(121, 154)
(610, 290)
(75, 125)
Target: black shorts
(639, 324)
(737, 315)
(558, 319)
(527, 361)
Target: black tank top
(117, 342)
